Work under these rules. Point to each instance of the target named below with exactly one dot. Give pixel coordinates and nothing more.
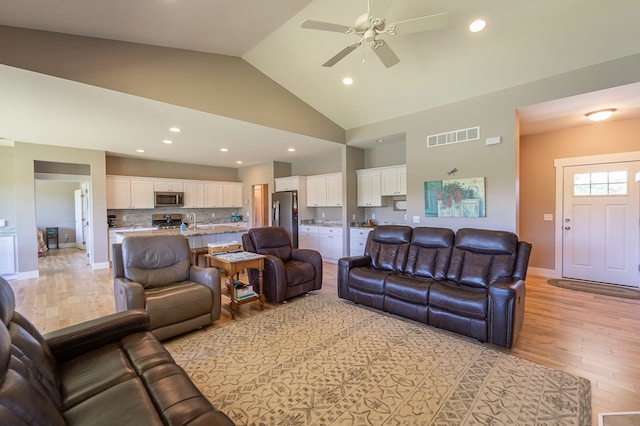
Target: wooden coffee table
(233, 263)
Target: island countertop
(190, 232)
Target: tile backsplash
(142, 217)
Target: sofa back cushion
(430, 252)
(29, 379)
(480, 257)
(156, 260)
(388, 246)
(273, 240)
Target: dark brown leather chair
(107, 371)
(154, 273)
(288, 272)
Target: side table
(52, 234)
(233, 263)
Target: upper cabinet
(291, 183)
(393, 180)
(324, 190)
(129, 193)
(124, 192)
(168, 185)
(368, 183)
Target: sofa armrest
(128, 294)
(209, 277)
(506, 311)
(313, 257)
(77, 339)
(345, 265)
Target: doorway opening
(260, 205)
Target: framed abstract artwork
(455, 198)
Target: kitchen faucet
(192, 219)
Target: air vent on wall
(456, 136)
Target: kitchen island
(198, 237)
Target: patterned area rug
(317, 361)
(597, 288)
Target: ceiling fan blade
(424, 23)
(341, 54)
(379, 8)
(325, 26)
(384, 52)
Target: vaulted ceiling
(524, 41)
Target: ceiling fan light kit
(601, 114)
(372, 25)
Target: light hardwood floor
(593, 336)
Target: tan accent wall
(125, 166)
(537, 175)
(219, 84)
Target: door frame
(560, 164)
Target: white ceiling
(524, 41)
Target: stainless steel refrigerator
(284, 212)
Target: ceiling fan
(369, 26)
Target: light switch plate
(548, 216)
(416, 219)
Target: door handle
(567, 228)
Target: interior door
(601, 223)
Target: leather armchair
(154, 273)
(288, 272)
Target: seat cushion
(368, 279)
(299, 272)
(176, 303)
(409, 289)
(469, 302)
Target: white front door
(600, 223)
(80, 219)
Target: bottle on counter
(183, 228)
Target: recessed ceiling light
(167, 141)
(238, 162)
(139, 150)
(347, 81)
(601, 114)
(291, 149)
(224, 149)
(174, 129)
(380, 140)
(477, 25)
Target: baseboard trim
(542, 272)
(101, 265)
(28, 275)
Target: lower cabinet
(330, 243)
(308, 237)
(358, 240)
(8, 258)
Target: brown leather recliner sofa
(108, 371)
(470, 282)
(154, 273)
(288, 271)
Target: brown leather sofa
(470, 282)
(154, 273)
(107, 371)
(288, 272)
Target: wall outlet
(66, 236)
(213, 215)
(548, 216)
(124, 217)
(373, 215)
(353, 216)
(416, 219)
(322, 215)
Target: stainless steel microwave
(169, 199)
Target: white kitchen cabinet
(232, 194)
(368, 188)
(194, 195)
(334, 190)
(291, 183)
(168, 185)
(316, 191)
(308, 237)
(393, 180)
(330, 243)
(213, 195)
(8, 258)
(324, 190)
(129, 193)
(358, 240)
